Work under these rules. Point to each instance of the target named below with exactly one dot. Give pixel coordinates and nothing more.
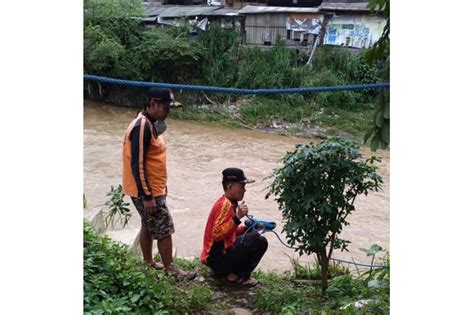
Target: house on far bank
(297, 26)
(347, 23)
(351, 24)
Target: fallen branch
(209, 100)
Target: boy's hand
(242, 210)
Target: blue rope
(338, 260)
(235, 90)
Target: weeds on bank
(286, 114)
(116, 282)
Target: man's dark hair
(225, 183)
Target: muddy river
(197, 154)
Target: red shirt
(222, 229)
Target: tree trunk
(324, 262)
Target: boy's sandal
(249, 283)
(235, 282)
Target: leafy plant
(374, 249)
(377, 277)
(379, 133)
(102, 52)
(313, 271)
(316, 189)
(162, 57)
(115, 282)
(117, 207)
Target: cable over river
(197, 154)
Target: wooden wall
(267, 25)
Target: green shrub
(276, 68)
(220, 51)
(161, 57)
(102, 52)
(115, 282)
(316, 189)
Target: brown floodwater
(197, 154)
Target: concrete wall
(360, 31)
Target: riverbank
(115, 282)
(279, 117)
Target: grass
(209, 115)
(335, 120)
(116, 282)
(292, 115)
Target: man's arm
(140, 141)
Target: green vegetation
(115, 282)
(379, 133)
(116, 45)
(215, 115)
(315, 189)
(118, 210)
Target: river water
(197, 154)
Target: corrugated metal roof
(173, 11)
(347, 5)
(186, 10)
(149, 19)
(251, 9)
(153, 8)
(154, 11)
(224, 12)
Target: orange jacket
(144, 160)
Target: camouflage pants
(160, 224)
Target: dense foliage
(115, 282)
(316, 189)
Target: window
(348, 41)
(305, 39)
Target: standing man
(228, 249)
(145, 178)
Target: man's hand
(150, 206)
(242, 210)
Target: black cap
(163, 95)
(233, 174)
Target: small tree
(316, 189)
